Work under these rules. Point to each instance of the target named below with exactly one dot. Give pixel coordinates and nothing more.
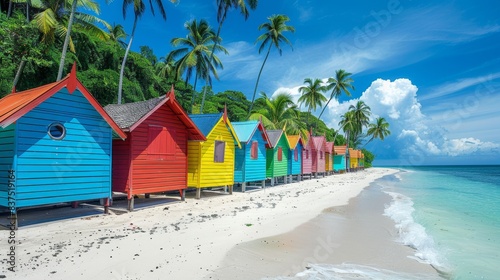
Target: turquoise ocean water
(449, 214)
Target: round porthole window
(56, 131)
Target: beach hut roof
(329, 147)
(294, 140)
(207, 122)
(17, 104)
(318, 141)
(275, 135)
(245, 131)
(339, 150)
(131, 115)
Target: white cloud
(412, 132)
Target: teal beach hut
(277, 156)
(250, 160)
(339, 159)
(295, 157)
(56, 145)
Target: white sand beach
(180, 240)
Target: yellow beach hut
(211, 162)
(354, 162)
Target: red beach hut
(154, 156)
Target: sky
(430, 68)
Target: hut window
(280, 154)
(307, 154)
(56, 131)
(296, 154)
(220, 147)
(254, 152)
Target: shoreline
(179, 240)
(346, 238)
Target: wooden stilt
(198, 193)
(263, 184)
(146, 195)
(74, 204)
(231, 189)
(243, 187)
(106, 206)
(272, 182)
(183, 194)
(131, 204)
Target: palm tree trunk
(9, 10)
(66, 40)
(258, 78)
(212, 57)
(122, 70)
(326, 105)
(18, 73)
(28, 2)
(194, 93)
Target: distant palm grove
(41, 39)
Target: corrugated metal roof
(245, 130)
(339, 150)
(126, 115)
(206, 122)
(17, 104)
(16, 101)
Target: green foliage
(369, 157)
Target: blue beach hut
(295, 157)
(250, 160)
(55, 142)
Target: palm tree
(273, 36)
(278, 113)
(165, 66)
(341, 83)
(195, 53)
(117, 34)
(223, 6)
(139, 9)
(52, 18)
(312, 94)
(361, 113)
(379, 129)
(348, 122)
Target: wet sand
(356, 233)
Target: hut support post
(13, 221)
(183, 194)
(225, 189)
(131, 204)
(74, 204)
(231, 189)
(146, 195)
(263, 184)
(243, 187)
(272, 182)
(198, 193)
(106, 206)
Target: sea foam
(413, 234)
(347, 271)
